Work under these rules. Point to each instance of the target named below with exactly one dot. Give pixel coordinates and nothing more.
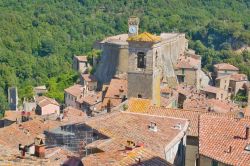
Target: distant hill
(39, 37)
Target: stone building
(223, 69)
(46, 106)
(116, 51)
(80, 64)
(71, 94)
(188, 70)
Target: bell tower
(143, 75)
(133, 26)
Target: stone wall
(191, 76)
(140, 84)
(114, 59)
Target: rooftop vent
(247, 148)
(178, 126)
(152, 127)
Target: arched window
(141, 60)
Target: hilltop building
(80, 64)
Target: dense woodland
(38, 38)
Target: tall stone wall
(140, 84)
(114, 60)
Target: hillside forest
(38, 38)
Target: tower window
(141, 60)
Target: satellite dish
(240, 115)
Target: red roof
(75, 90)
(224, 139)
(44, 101)
(188, 62)
(225, 66)
(89, 78)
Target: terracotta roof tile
(44, 101)
(125, 158)
(225, 66)
(117, 89)
(88, 77)
(220, 133)
(188, 62)
(124, 125)
(75, 90)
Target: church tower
(133, 26)
(143, 72)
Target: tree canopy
(39, 38)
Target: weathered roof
(187, 62)
(125, 158)
(239, 77)
(75, 90)
(117, 89)
(43, 101)
(225, 66)
(91, 99)
(81, 58)
(124, 125)
(224, 139)
(88, 78)
(212, 89)
(145, 37)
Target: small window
(139, 96)
(183, 71)
(141, 60)
(214, 163)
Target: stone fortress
(148, 60)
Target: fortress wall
(144, 88)
(113, 60)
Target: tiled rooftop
(125, 158)
(188, 62)
(225, 66)
(145, 37)
(224, 139)
(117, 89)
(89, 78)
(124, 125)
(75, 90)
(44, 101)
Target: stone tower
(133, 26)
(143, 67)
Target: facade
(40, 90)
(72, 93)
(46, 106)
(223, 69)
(116, 51)
(80, 64)
(90, 102)
(13, 98)
(89, 82)
(188, 69)
(212, 92)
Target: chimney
(153, 127)
(39, 147)
(247, 132)
(130, 145)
